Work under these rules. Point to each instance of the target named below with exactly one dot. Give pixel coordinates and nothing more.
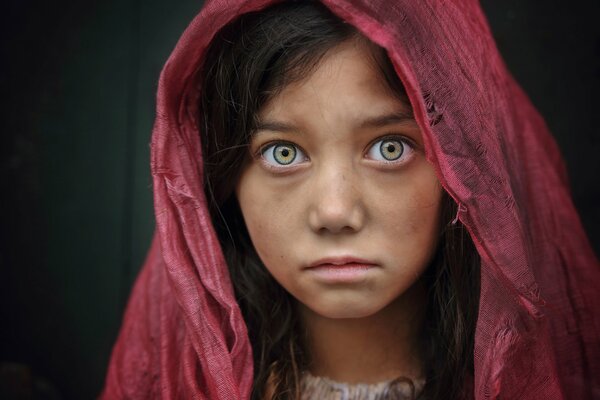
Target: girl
(355, 200)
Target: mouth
(342, 261)
(336, 270)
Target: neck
(372, 349)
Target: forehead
(349, 76)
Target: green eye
(284, 154)
(391, 150)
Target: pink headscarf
(538, 328)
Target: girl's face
(340, 203)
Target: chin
(344, 309)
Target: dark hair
(248, 62)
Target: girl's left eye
(282, 154)
(390, 150)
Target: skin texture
(340, 197)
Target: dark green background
(78, 80)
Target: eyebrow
(275, 126)
(387, 119)
(371, 122)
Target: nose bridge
(337, 202)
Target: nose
(336, 203)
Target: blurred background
(78, 82)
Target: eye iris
(284, 154)
(391, 149)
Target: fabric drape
(538, 328)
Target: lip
(341, 261)
(341, 270)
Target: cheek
(267, 217)
(270, 237)
(410, 216)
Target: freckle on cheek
(410, 225)
(415, 225)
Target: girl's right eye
(284, 154)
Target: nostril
(344, 229)
(343, 216)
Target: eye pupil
(391, 150)
(285, 152)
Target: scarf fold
(538, 328)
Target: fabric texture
(538, 329)
(320, 388)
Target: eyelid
(261, 149)
(392, 136)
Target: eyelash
(407, 146)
